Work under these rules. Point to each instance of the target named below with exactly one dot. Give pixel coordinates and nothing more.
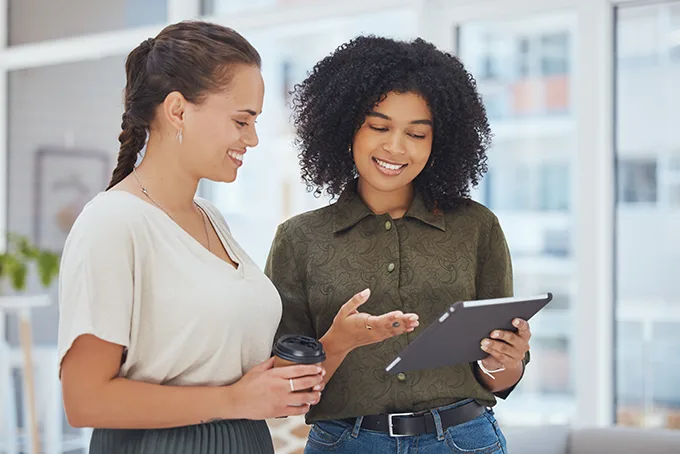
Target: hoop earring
(179, 136)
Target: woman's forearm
(127, 404)
(336, 352)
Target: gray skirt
(219, 437)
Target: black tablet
(456, 336)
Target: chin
(387, 184)
(228, 179)
(223, 178)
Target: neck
(166, 181)
(395, 203)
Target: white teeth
(237, 156)
(389, 166)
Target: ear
(173, 109)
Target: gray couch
(615, 440)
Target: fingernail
(317, 388)
(495, 334)
(517, 323)
(366, 293)
(319, 370)
(416, 324)
(486, 342)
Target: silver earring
(179, 136)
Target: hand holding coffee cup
(294, 349)
(266, 391)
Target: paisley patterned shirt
(420, 263)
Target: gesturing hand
(352, 329)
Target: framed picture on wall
(66, 179)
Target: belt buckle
(390, 426)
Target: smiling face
(394, 143)
(220, 129)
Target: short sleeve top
(131, 276)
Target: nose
(394, 144)
(250, 138)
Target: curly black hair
(331, 104)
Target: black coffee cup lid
(299, 349)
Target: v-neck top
(131, 276)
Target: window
(555, 54)
(669, 179)
(528, 187)
(637, 181)
(674, 36)
(553, 193)
(31, 21)
(523, 57)
(647, 311)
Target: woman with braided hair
(166, 325)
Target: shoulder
(316, 222)
(109, 218)
(470, 211)
(113, 208)
(295, 235)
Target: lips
(387, 168)
(390, 165)
(236, 156)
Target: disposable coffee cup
(294, 349)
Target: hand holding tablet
(456, 336)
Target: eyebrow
(248, 111)
(385, 117)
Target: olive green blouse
(421, 263)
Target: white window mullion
(594, 195)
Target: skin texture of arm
(95, 396)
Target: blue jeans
(478, 436)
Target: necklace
(146, 193)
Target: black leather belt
(410, 424)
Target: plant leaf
(17, 272)
(48, 267)
(14, 262)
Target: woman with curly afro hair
(397, 132)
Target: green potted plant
(19, 257)
(16, 261)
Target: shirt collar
(350, 210)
